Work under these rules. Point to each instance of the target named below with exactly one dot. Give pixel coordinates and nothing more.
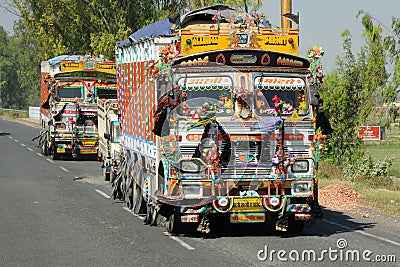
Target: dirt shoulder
(343, 198)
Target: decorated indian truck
(109, 135)
(217, 122)
(70, 87)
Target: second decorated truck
(70, 88)
(217, 121)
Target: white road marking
(49, 160)
(134, 214)
(103, 194)
(40, 155)
(16, 140)
(180, 242)
(30, 149)
(10, 137)
(22, 144)
(362, 232)
(64, 169)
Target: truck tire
(129, 197)
(174, 224)
(43, 149)
(138, 200)
(107, 176)
(151, 215)
(295, 227)
(56, 156)
(113, 175)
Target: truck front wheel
(295, 227)
(174, 224)
(55, 154)
(44, 150)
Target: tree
(392, 43)
(8, 76)
(353, 89)
(50, 28)
(89, 26)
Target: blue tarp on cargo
(57, 60)
(159, 28)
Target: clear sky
(321, 22)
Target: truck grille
(242, 157)
(250, 158)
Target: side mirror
(107, 136)
(314, 95)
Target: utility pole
(286, 7)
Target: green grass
(13, 114)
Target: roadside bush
(14, 115)
(368, 171)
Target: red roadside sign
(371, 132)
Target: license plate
(247, 217)
(247, 204)
(88, 151)
(60, 150)
(190, 218)
(88, 143)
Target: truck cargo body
(225, 133)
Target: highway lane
(49, 219)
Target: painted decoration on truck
(193, 43)
(136, 104)
(281, 83)
(242, 57)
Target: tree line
(49, 28)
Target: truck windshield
(107, 92)
(287, 90)
(69, 92)
(206, 94)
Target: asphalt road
(57, 213)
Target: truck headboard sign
(243, 57)
(193, 42)
(79, 65)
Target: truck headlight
(300, 166)
(223, 204)
(301, 188)
(191, 166)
